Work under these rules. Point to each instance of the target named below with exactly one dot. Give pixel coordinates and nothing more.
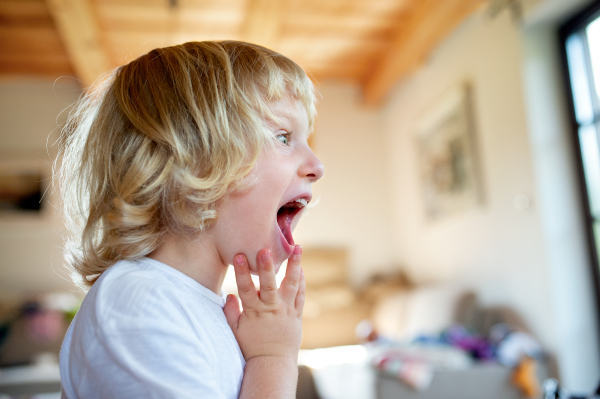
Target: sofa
(399, 313)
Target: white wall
(496, 249)
(569, 270)
(354, 203)
(30, 245)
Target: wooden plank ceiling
(371, 42)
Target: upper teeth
(301, 201)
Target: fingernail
(239, 259)
(297, 250)
(228, 298)
(265, 256)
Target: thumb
(232, 311)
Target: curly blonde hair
(153, 146)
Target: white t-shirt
(146, 330)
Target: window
(580, 40)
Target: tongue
(284, 220)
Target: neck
(197, 258)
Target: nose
(312, 167)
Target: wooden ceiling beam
(263, 21)
(24, 12)
(78, 28)
(35, 64)
(29, 39)
(428, 23)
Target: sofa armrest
(490, 381)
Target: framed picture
(22, 187)
(448, 162)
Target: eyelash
(286, 136)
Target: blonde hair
(153, 146)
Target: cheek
(247, 227)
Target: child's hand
(271, 322)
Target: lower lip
(288, 249)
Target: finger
(291, 281)
(232, 311)
(246, 288)
(266, 275)
(301, 295)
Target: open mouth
(285, 217)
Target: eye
(284, 138)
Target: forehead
(289, 110)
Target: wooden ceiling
(370, 42)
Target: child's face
(255, 218)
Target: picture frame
(23, 185)
(449, 169)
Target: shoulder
(132, 292)
(136, 301)
(136, 285)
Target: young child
(182, 162)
